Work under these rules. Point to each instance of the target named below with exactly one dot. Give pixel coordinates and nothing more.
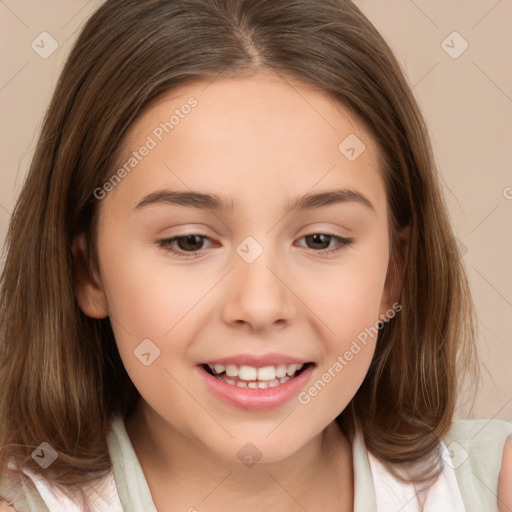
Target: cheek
(347, 304)
(347, 301)
(150, 311)
(150, 300)
(348, 311)
(347, 298)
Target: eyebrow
(190, 199)
(214, 202)
(328, 198)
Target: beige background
(467, 102)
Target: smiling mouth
(256, 378)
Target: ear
(88, 289)
(395, 273)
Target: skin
(259, 142)
(505, 481)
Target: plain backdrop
(456, 56)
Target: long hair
(61, 376)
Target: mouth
(250, 377)
(256, 381)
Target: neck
(182, 471)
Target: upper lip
(257, 361)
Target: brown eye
(186, 245)
(321, 242)
(319, 239)
(190, 242)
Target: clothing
(472, 452)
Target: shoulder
(477, 449)
(479, 442)
(480, 429)
(5, 507)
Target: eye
(321, 242)
(186, 245)
(191, 245)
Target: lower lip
(256, 399)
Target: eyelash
(167, 244)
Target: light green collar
(135, 495)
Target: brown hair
(62, 377)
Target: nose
(258, 296)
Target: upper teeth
(245, 372)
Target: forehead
(267, 133)
(255, 105)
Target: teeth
(232, 370)
(255, 378)
(281, 370)
(250, 373)
(263, 384)
(293, 368)
(267, 373)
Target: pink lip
(256, 399)
(258, 361)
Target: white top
(125, 486)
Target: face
(244, 311)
